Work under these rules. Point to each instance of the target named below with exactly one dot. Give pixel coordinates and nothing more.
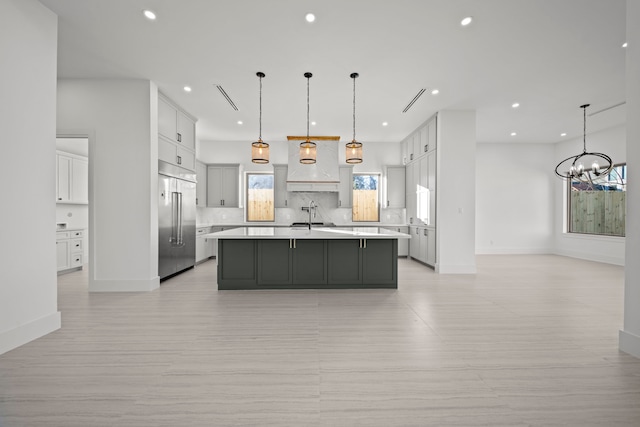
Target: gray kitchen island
(316, 258)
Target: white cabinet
(204, 247)
(72, 178)
(69, 248)
(201, 185)
(431, 187)
(345, 189)
(423, 245)
(431, 246)
(176, 135)
(410, 193)
(414, 243)
(396, 188)
(223, 186)
(403, 244)
(432, 134)
(281, 195)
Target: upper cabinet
(281, 195)
(72, 178)
(223, 186)
(420, 142)
(396, 187)
(176, 135)
(201, 185)
(345, 189)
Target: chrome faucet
(312, 206)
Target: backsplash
(327, 211)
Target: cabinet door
(432, 134)
(417, 146)
(201, 186)
(403, 244)
(414, 243)
(274, 262)
(63, 254)
(411, 193)
(236, 263)
(167, 151)
(63, 178)
(431, 185)
(186, 131)
(344, 261)
(431, 247)
(410, 152)
(379, 261)
(424, 140)
(396, 187)
(80, 181)
(214, 186)
(185, 158)
(167, 120)
(422, 254)
(230, 176)
(200, 248)
(281, 196)
(345, 190)
(309, 262)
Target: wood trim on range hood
(313, 138)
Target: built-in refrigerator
(176, 219)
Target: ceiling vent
(226, 96)
(415, 98)
(607, 108)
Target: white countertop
(271, 224)
(305, 233)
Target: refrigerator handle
(180, 240)
(173, 239)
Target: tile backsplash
(327, 211)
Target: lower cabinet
(69, 248)
(307, 263)
(205, 248)
(423, 245)
(403, 244)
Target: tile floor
(527, 341)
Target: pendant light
(308, 148)
(260, 149)
(573, 167)
(354, 148)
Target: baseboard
(124, 285)
(455, 269)
(599, 257)
(629, 343)
(493, 250)
(14, 338)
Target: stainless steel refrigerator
(176, 219)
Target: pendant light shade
(308, 147)
(585, 167)
(353, 152)
(260, 149)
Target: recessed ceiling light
(149, 14)
(435, 92)
(513, 134)
(624, 44)
(313, 123)
(385, 124)
(310, 17)
(187, 89)
(466, 21)
(515, 105)
(239, 122)
(563, 134)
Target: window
(260, 197)
(366, 200)
(599, 207)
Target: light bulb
(353, 151)
(307, 150)
(595, 167)
(580, 169)
(572, 171)
(260, 150)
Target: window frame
(569, 213)
(378, 197)
(246, 198)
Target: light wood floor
(528, 341)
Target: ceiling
(550, 56)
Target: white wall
(514, 198)
(123, 220)
(456, 195)
(28, 295)
(630, 335)
(596, 248)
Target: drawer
(76, 260)
(76, 233)
(63, 235)
(76, 245)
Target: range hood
(323, 176)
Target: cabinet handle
(179, 160)
(425, 232)
(388, 203)
(411, 156)
(426, 148)
(290, 243)
(285, 202)
(59, 198)
(339, 203)
(179, 138)
(365, 243)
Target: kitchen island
(301, 258)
